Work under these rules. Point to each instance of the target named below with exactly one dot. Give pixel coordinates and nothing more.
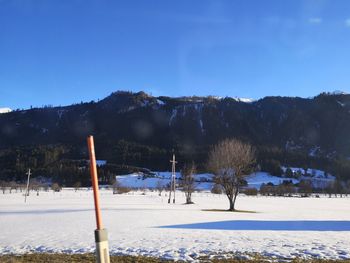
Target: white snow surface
(315, 173)
(257, 179)
(64, 223)
(318, 178)
(136, 180)
(205, 181)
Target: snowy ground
(148, 225)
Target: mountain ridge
(142, 130)
(271, 109)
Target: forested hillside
(138, 130)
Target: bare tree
(116, 186)
(3, 186)
(305, 188)
(77, 186)
(160, 187)
(12, 186)
(35, 186)
(188, 181)
(46, 187)
(330, 189)
(339, 188)
(231, 160)
(347, 186)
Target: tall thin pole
(93, 173)
(101, 236)
(173, 176)
(27, 188)
(173, 179)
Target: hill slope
(138, 129)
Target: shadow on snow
(269, 225)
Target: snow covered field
(205, 181)
(148, 225)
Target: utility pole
(27, 189)
(173, 179)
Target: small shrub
(216, 189)
(123, 190)
(56, 187)
(250, 191)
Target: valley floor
(144, 224)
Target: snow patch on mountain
(173, 116)
(5, 110)
(160, 102)
(60, 113)
(339, 92)
(101, 162)
(201, 125)
(340, 103)
(245, 100)
(314, 151)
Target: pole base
(102, 250)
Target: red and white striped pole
(101, 235)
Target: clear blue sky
(64, 51)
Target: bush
(56, 187)
(122, 190)
(250, 191)
(77, 186)
(267, 189)
(216, 189)
(305, 188)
